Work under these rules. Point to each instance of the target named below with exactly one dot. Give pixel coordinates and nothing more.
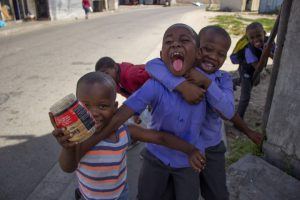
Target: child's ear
(116, 106)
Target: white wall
(233, 5)
(63, 9)
(31, 7)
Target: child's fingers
(57, 132)
(195, 167)
(69, 144)
(52, 120)
(64, 139)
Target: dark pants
(213, 177)
(246, 87)
(155, 177)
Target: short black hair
(217, 29)
(194, 34)
(254, 25)
(100, 78)
(105, 63)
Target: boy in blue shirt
(214, 44)
(170, 113)
(248, 59)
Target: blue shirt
(219, 97)
(250, 57)
(170, 113)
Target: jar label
(78, 121)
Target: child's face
(214, 48)
(99, 100)
(179, 50)
(256, 37)
(112, 72)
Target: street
(40, 67)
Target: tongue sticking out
(178, 65)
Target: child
(86, 7)
(169, 113)
(128, 77)
(248, 59)
(214, 44)
(102, 171)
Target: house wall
(283, 127)
(31, 7)
(269, 6)
(201, 1)
(233, 5)
(255, 5)
(63, 9)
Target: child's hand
(197, 78)
(196, 160)
(255, 137)
(190, 92)
(62, 136)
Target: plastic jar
(71, 114)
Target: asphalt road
(40, 67)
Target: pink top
(86, 3)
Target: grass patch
(236, 24)
(240, 147)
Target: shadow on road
(24, 165)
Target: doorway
(42, 9)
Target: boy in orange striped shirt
(102, 171)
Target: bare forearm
(67, 160)
(123, 114)
(240, 124)
(176, 143)
(161, 138)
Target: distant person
(101, 167)
(248, 58)
(86, 7)
(128, 77)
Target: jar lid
(63, 104)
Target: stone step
(253, 178)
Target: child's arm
(238, 122)
(158, 70)
(251, 58)
(220, 96)
(190, 92)
(123, 114)
(136, 103)
(67, 156)
(196, 160)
